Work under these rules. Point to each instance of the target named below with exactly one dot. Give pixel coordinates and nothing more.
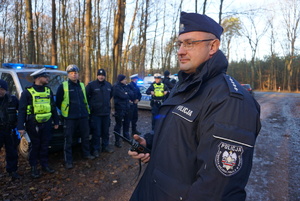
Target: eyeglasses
(189, 44)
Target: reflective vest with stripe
(41, 105)
(158, 90)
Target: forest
(138, 36)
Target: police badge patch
(229, 159)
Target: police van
(18, 78)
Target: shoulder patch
(186, 112)
(228, 159)
(233, 88)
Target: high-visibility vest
(66, 101)
(159, 90)
(41, 104)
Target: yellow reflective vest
(66, 101)
(41, 105)
(158, 89)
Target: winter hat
(121, 77)
(3, 84)
(101, 72)
(166, 73)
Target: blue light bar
(140, 82)
(21, 66)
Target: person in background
(203, 142)
(8, 137)
(99, 93)
(37, 110)
(122, 100)
(134, 106)
(71, 100)
(158, 92)
(168, 82)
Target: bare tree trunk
(220, 11)
(129, 40)
(204, 7)
(53, 35)
(37, 32)
(118, 37)
(88, 25)
(30, 32)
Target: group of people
(85, 110)
(204, 132)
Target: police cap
(39, 73)
(196, 22)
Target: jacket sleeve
(88, 91)
(59, 96)
(22, 111)
(151, 88)
(228, 131)
(54, 110)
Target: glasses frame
(190, 44)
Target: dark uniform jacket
(99, 95)
(26, 99)
(77, 107)
(8, 111)
(135, 90)
(167, 81)
(204, 140)
(122, 95)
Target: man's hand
(144, 157)
(21, 132)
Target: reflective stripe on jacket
(41, 104)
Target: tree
(30, 33)
(53, 35)
(118, 37)
(232, 28)
(291, 15)
(88, 37)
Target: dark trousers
(122, 119)
(40, 135)
(133, 116)
(11, 141)
(100, 129)
(70, 128)
(154, 110)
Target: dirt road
(275, 175)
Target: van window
(10, 83)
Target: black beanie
(121, 77)
(101, 72)
(3, 84)
(166, 73)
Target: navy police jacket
(203, 142)
(122, 96)
(99, 95)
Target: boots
(35, 172)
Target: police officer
(158, 91)
(204, 139)
(71, 100)
(8, 137)
(134, 105)
(170, 83)
(99, 93)
(122, 100)
(37, 110)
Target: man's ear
(214, 47)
